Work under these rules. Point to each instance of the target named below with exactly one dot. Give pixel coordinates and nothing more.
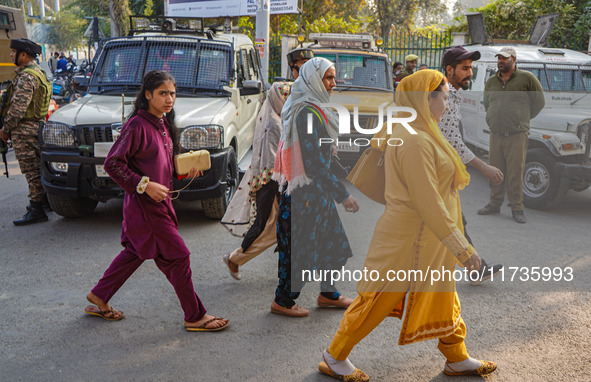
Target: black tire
(215, 208)
(71, 207)
(542, 185)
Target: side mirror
(252, 86)
(80, 81)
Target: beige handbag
(369, 175)
(183, 163)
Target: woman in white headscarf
(252, 213)
(310, 236)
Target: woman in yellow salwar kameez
(419, 233)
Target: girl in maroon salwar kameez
(140, 162)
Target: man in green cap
(24, 106)
(411, 64)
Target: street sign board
(223, 8)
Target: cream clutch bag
(183, 163)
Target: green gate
(429, 46)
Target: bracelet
(141, 186)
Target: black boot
(46, 205)
(35, 214)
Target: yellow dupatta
(413, 91)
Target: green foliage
(329, 8)
(147, 7)
(333, 24)
(246, 26)
(66, 30)
(402, 14)
(89, 8)
(513, 19)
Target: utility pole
(262, 36)
(42, 9)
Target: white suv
(219, 94)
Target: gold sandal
(485, 368)
(357, 376)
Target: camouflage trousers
(28, 154)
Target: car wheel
(542, 185)
(215, 208)
(71, 207)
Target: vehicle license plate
(101, 149)
(100, 171)
(348, 147)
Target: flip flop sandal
(485, 368)
(109, 315)
(203, 328)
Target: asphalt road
(535, 331)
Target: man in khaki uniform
(512, 97)
(411, 65)
(25, 105)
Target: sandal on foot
(485, 368)
(203, 328)
(340, 302)
(357, 376)
(109, 315)
(235, 275)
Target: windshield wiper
(117, 88)
(578, 99)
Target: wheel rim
(536, 179)
(230, 184)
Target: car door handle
(248, 101)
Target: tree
(66, 30)
(119, 13)
(403, 14)
(513, 19)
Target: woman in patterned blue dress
(310, 236)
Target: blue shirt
(62, 64)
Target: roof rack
(165, 24)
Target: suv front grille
(92, 134)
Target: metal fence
(429, 46)
(274, 57)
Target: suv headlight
(202, 137)
(57, 134)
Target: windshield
(360, 70)
(560, 78)
(201, 66)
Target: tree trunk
(119, 13)
(115, 30)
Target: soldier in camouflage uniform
(24, 108)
